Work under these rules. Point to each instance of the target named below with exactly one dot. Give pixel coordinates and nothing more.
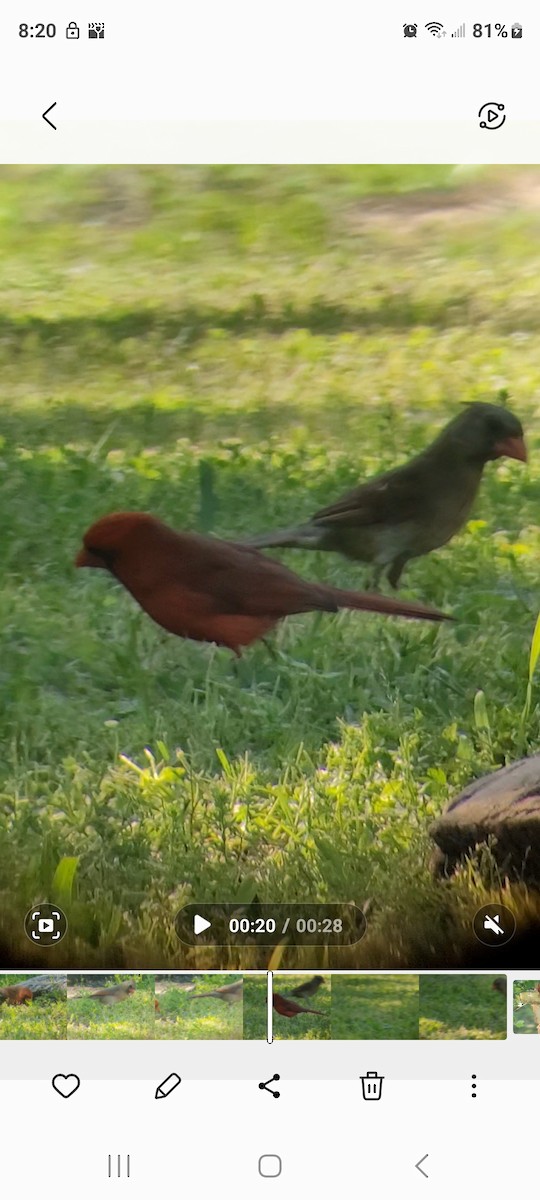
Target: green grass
(43, 1018)
(131, 1019)
(461, 1006)
(182, 1015)
(254, 1006)
(375, 1007)
(230, 348)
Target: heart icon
(66, 1085)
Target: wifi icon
(435, 28)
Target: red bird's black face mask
(87, 558)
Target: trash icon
(372, 1085)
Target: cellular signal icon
(436, 29)
(460, 31)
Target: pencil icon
(167, 1086)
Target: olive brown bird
(309, 988)
(211, 590)
(415, 508)
(231, 993)
(111, 995)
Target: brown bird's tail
(377, 603)
(303, 537)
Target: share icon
(264, 1087)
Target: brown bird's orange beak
(86, 559)
(512, 447)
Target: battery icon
(517, 29)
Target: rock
(501, 811)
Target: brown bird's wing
(202, 995)
(395, 497)
(119, 989)
(230, 989)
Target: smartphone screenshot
(269, 678)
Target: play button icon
(492, 116)
(200, 924)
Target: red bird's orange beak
(512, 447)
(86, 559)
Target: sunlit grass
(461, 1007)
(375, 1007)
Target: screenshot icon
(46, 924)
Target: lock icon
(72, 30)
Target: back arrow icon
(418, 1166)
(45, 117)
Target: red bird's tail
(376, 603)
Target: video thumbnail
(188, 1006)
(268, 469)
(526, 1006)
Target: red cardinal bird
(211, 590)
(15, 994)
(289, 1008)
